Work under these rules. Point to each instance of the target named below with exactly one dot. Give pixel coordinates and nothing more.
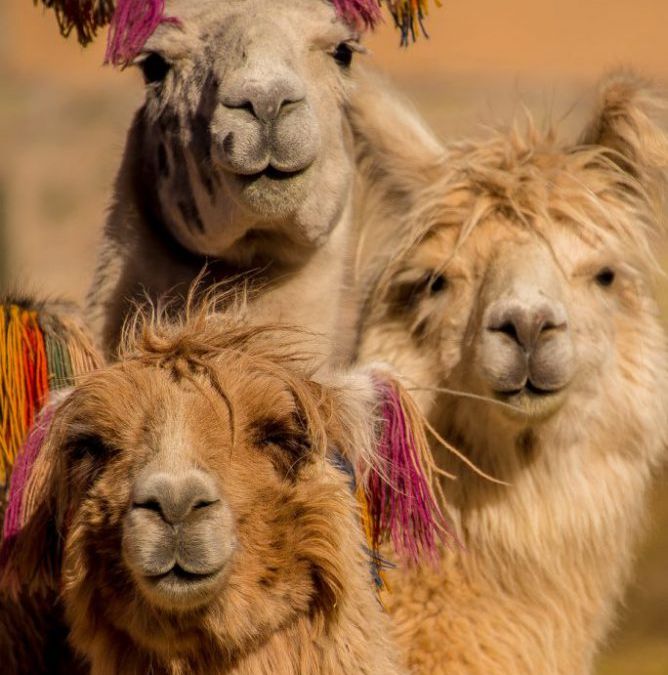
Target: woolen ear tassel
(85, 16)
(39, 352)
(133, 21)
(401, 500)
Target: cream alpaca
(525, 284)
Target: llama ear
(393, 143)
(627, 120)
(381, 432)
(30, 554)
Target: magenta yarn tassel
(360, 13)
(132, 24)
(402, 504)
(22, 469)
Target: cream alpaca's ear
(628, 120)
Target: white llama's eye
(154, 68)
(343, 54)
(605, 277)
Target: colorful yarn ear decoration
(409, 18)
(403, 507)
(39, 352)
(85, 16)
(22, 470)
(359, 13)
(132, 24)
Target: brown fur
(547, 557)
(238, 402)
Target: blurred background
(63, 119)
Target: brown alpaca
(521, 308)
(206, 526)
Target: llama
(241, 158)
(193, 504)
(520, 307)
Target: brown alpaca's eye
(154, 68)
(343, 54)
(605, 277)
(437, 284)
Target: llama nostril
(525, 325)
(174, 495)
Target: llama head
(195, 487)
(242, 142)
(525, 281)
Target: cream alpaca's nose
(175, 495)
(526, 324)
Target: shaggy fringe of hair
(610, 187)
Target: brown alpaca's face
(196, 505)
(524, 317)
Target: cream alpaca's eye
(605, 277)
(343, 54)
(154, 68)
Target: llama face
(243, 135)
(198, 500)
(534, 301)
(520, 316)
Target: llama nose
(266, 100)
(175, 495)
(526, 324)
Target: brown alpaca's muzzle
(178, 535)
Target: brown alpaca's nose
(525, 324)
(265, 100)
(175, 495)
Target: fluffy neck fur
(545, 559)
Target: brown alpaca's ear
(35, 518)
(628, 120)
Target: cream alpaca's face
(521, 316)
(244, 135)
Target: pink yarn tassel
(132, 24)
(402, 504)
(22, 469)
(359, 13)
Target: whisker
(468, 394)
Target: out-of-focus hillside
(63, 119)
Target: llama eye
(437, 284)
(343, 54)
(605, 277)
(154, 68)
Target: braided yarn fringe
(39, 352)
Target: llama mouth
(271, 173)
(531, 400)
(177, 576)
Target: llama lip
(180, 587)
(270, 173)
(532, 401)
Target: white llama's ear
(392, 141)
(628, 119)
